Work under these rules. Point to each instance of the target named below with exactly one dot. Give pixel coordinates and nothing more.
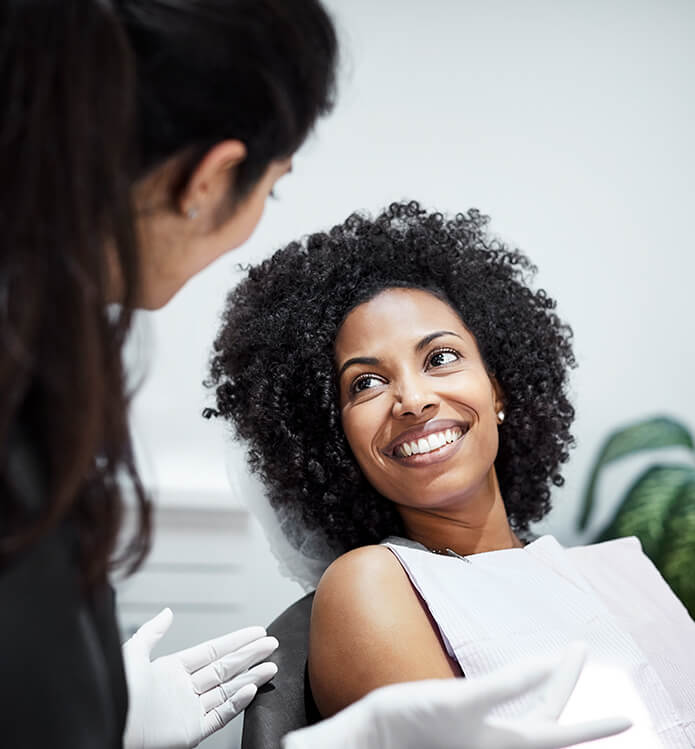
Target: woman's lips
(428, 444)
(432, 443)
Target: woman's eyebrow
(368, 360)
(429, 338)
(372, 361)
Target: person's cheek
(351, 431)
(358, 427)
(363, 439)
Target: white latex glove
(180, 699)
(454, 713)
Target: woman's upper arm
(369, 628)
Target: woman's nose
(413, 398)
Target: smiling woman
(403, 392)
(275, 366)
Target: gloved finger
(233, 664)
(149, 634)
(206, 652)
(553, 736)
(559, 687)
(258, 675)
(479, 694)
(506, 683)
(218, 717)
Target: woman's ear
(210, 183)
(498, 399)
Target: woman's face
(178, 244)
(418, 407)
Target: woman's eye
(440, 358)
(365, 383)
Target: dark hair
(96, 94)
(274, 370)
(260, 71)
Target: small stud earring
(192, 212)
(500, 416)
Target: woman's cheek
(360, 426)
(491, 442)
(352, 431)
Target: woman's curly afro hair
(274, 372)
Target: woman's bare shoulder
(369, 628)
(366, 566)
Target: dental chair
(286, 703)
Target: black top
(62, 682)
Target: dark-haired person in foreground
(403, 392)
(139, 140)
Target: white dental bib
(496, 607)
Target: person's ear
(498, 400)
(210, 183)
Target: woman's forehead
(395, 317)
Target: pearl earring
(500, 416)
(192, 212)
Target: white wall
(570, 123)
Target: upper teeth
(427, 444)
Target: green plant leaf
(676, 558)
(649, 434)
(644, 511)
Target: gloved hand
(178, 700)
(454, 714)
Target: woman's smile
(432, 442)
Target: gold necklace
(449, 553)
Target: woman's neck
(478, 524)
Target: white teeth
(428, 444)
